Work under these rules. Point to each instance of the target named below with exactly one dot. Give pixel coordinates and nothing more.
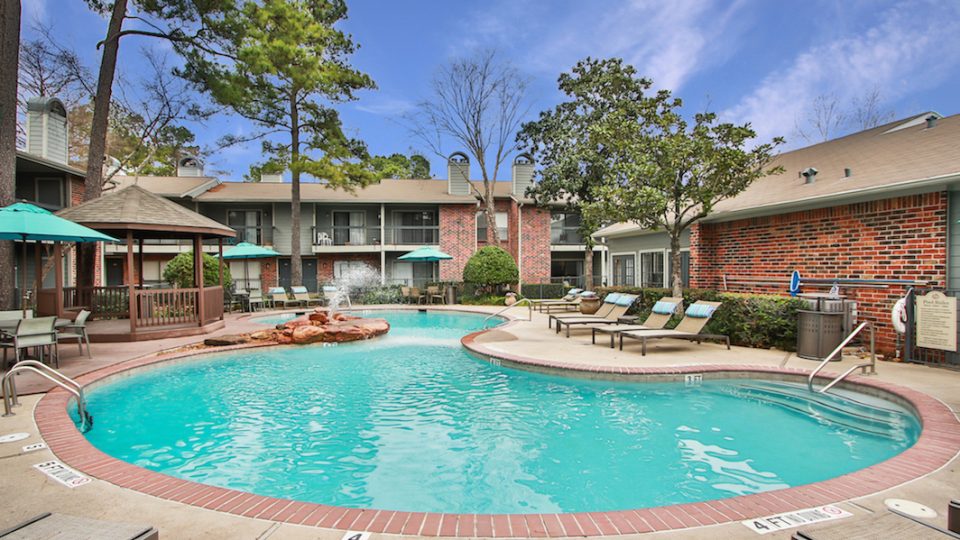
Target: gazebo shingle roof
(136, 209)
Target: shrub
(751, 320)
(491, 267)
(179, 271)
(386, 294)
(488, 300)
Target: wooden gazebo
(134, 214)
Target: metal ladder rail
(10, 398)
(529, 305)
(872, 364)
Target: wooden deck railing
(103, 302)
(212, 304)
(161, 307)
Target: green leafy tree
(668, 173)
(179, 271)
(400, 166)
(287, 66)
(573, 161)
(491, 267)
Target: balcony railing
(412, 235)
(346, 236)
(565, 236)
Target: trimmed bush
(489, 300)
(179, 272)
(751, 320)
(537, 291)
(491, 267)
(387, 294)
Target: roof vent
(271, 178)
(809, 174)
(932, 121)
(848, 172)
(189, 165)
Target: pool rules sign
(937, 321)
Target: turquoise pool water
(412, 422)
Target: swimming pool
(411, 422)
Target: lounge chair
(77, 330)
(609, 302)
(301, 295)
(662, 311)
(690, 328)
(567, 300)
(620, 307)
(277, 295)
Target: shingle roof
(135, 209)
(386, 191)
(168, 186)
(900, 155)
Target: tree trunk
(296, 265)
(9, 65)
(588, 268)
(677, 273)
(490, 211)
(93, 185)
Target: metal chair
(33, 333)
(255, 299)
(434, 293)
(77, 330)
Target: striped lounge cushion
(612, 298)
(276, 290)
(625, 300)
(664, 308)
(700, 311)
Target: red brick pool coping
(938, 444)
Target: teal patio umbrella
(26, 222)
(425, 254)
(246, 250)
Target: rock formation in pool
(322, 326)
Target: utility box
(821, 328)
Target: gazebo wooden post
(131, 291)
(58, 276)
(198, 274)
(140, 261)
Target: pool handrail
(10, 388)
(872, 364)
(529, 305)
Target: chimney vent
(271, 178)
(522, 170)
(458, 174)
(809, 174)
(189, 165)
(47, 129)
(932, 121)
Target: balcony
(345, 238)
(565, 236)
(412, 235)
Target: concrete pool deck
(32, 493)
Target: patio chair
(566, 300)
(405, 294)
(255, 299)
(621, 305)
(77, 330)
(32, 333)
(434, 293)
(416, 295)
(609, 302)
(12, 314)
(661, 314)
(277, 295)
(301, 295)
(690, 328)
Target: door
(114, 271)
(348, 228)
(624, 270)
(309, 273)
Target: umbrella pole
(23, 279)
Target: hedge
(537, 291)
(751, 320)
(489, 300)
(489, 267)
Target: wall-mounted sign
(937, 321)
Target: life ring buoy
(898, 316)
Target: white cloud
(385, 106)
(912, 47)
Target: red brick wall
(458, 236)
(75, 197)
(268, 274)
(325, 263)
(535, 245)
(899, 238)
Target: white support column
(383, 240)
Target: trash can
(820, 328)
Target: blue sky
(755, 61)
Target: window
(153, 272)
(45, 192)
(684, 268)
(345, 268)
(501, 220)
(348, 228)
(567, 270)
(624, 270)
(565, 228)
(416, 227)
(247, 223)
(245, 274)
(651, 269)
